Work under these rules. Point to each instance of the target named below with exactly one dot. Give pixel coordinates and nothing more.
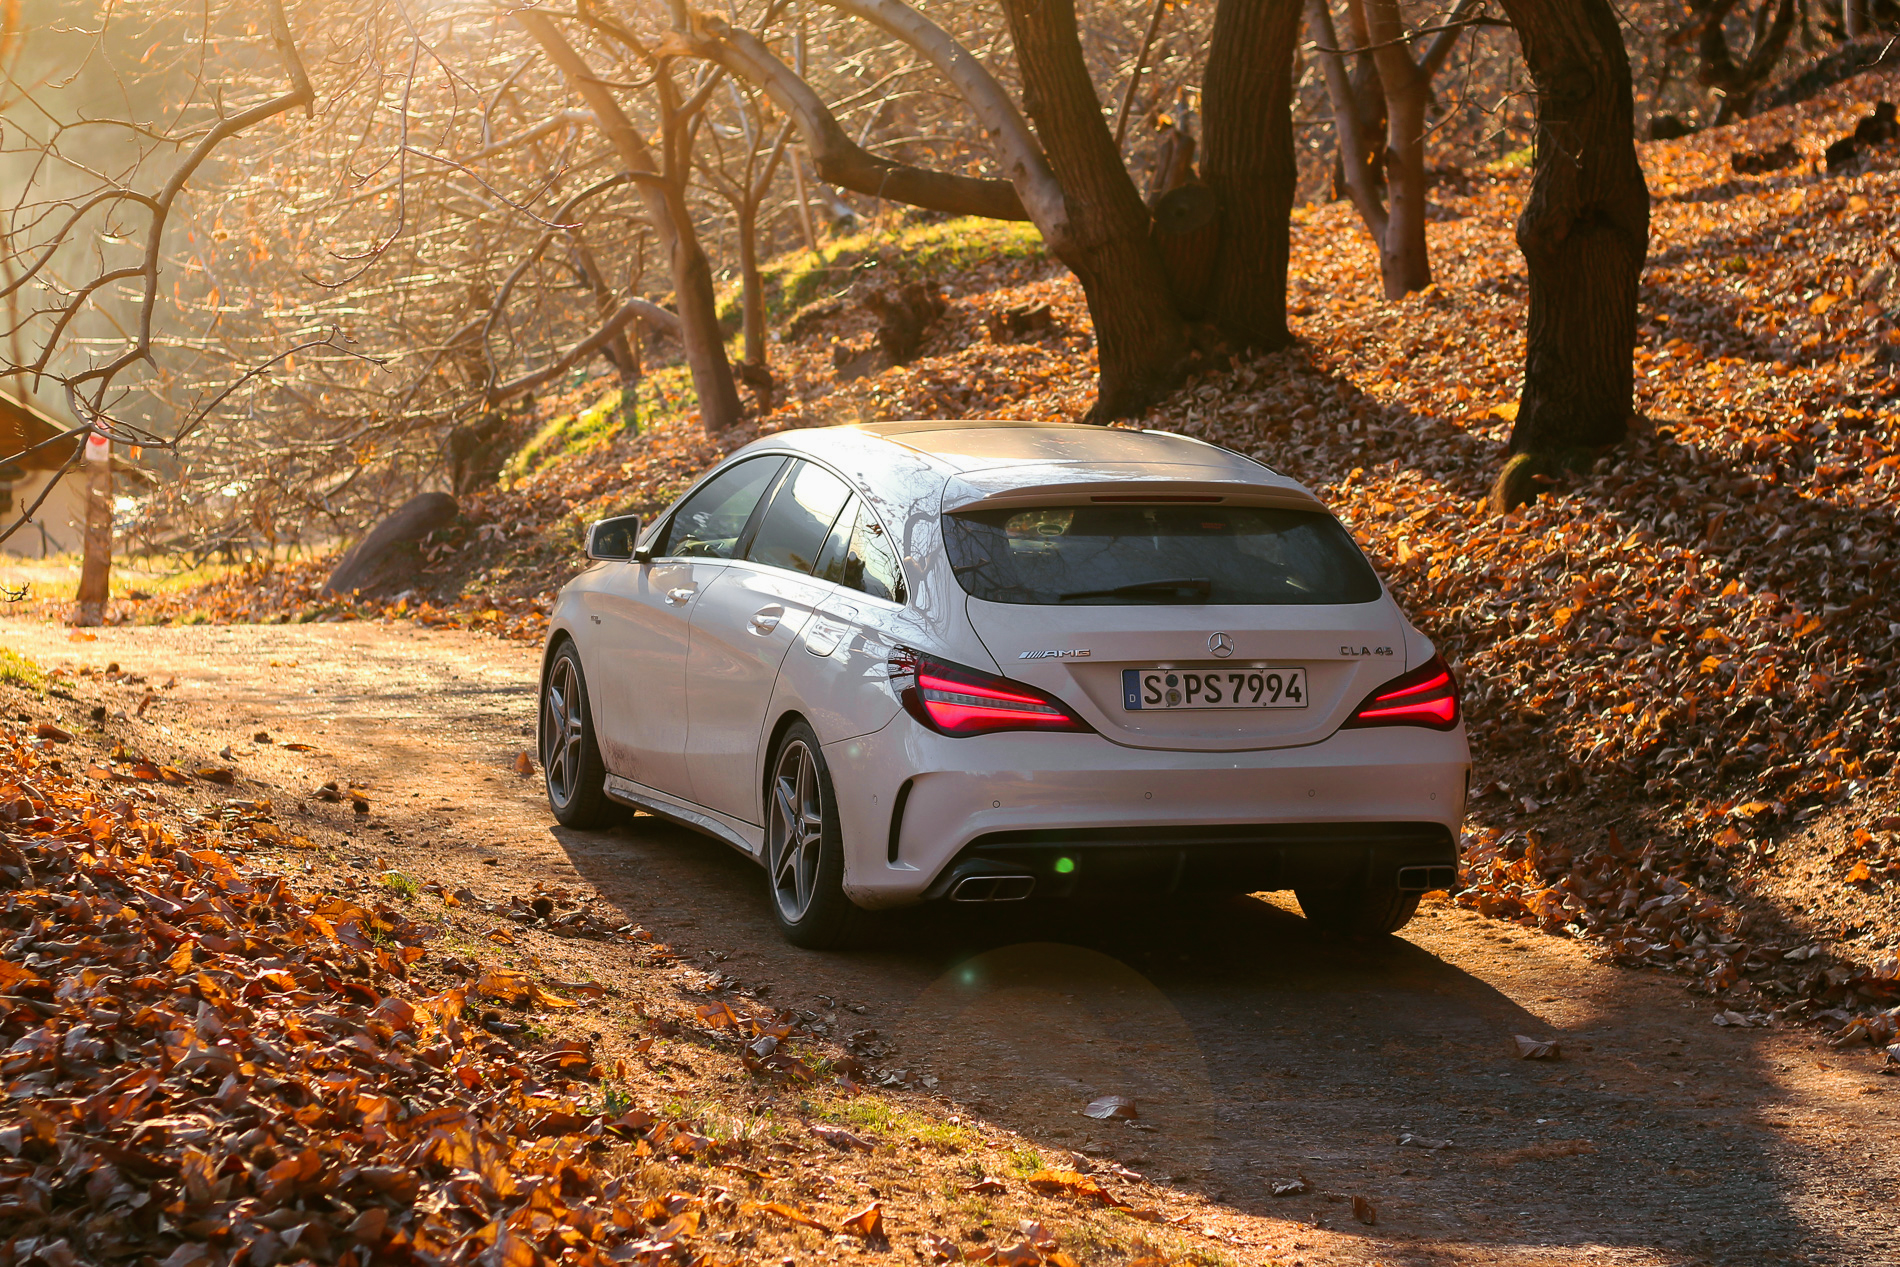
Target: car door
(742, 626)
(849, 639)
(637, 666)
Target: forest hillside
(1700, 632)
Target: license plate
(1161, 689)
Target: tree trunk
(751, 285)
(95, 573)
(1403, 262)
(1141, 339)
(1854, 17)
(1357, 173)
(1368, 94)
(805, 225)
(1584, 230)
(1770, 28)
(618, 351)
(703, 341)
(1248, 120)
(692, 277)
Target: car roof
(963, 445)
(989, 462)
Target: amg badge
(1082, 654)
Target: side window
(708, 526)
(800, 515)
(859, 554)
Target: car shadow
(1259, 1053)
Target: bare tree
(663, 185)
(1392, 91)
(1069, 176)
(744, 180)
(41, 244)
(1736, 82)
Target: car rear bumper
(1076, 814)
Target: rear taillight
(960, 702)
(1427, 696)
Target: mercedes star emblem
(1220, 644)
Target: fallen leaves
(867, 1223)
(219, 1057)
(1529, 1048)
(791, 1214)
(1409, 1140)
(838, 1137)
(1111, 1106)
(1739, 1020)
(512, 986)
(941, 1249)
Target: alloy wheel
(561, 719)
(797, 830)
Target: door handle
(680, 595)
(766, 619)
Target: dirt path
(1257, 1052)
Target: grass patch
(17, 670)
(881, 1117)
(921, 250)
(568, 435)
(403, 886)
(1025, 1161)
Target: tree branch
(839, 160)
(1022, 157)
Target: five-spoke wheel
(798, 830)
(570, 758)
(804, 852)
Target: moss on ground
(905, 254)
(17, 670)
(566, 435)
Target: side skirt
(744, 837)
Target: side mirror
(613, 538)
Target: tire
(804, 850)
(571, 766)
(1359, 911)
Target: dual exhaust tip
(1425, 879)
(993, 888)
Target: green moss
(1025, 1161)
(568, 435)
(923, 250)
(17, 670)
(878, 1117)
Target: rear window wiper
(1186, 587)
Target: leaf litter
(1672, 662)
(205, 1057)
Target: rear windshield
(1128, 554)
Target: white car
(985, 661)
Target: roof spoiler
(962, 495)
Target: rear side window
(860, 555)
(1129, 554)
(799, 517)
(709, 524)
